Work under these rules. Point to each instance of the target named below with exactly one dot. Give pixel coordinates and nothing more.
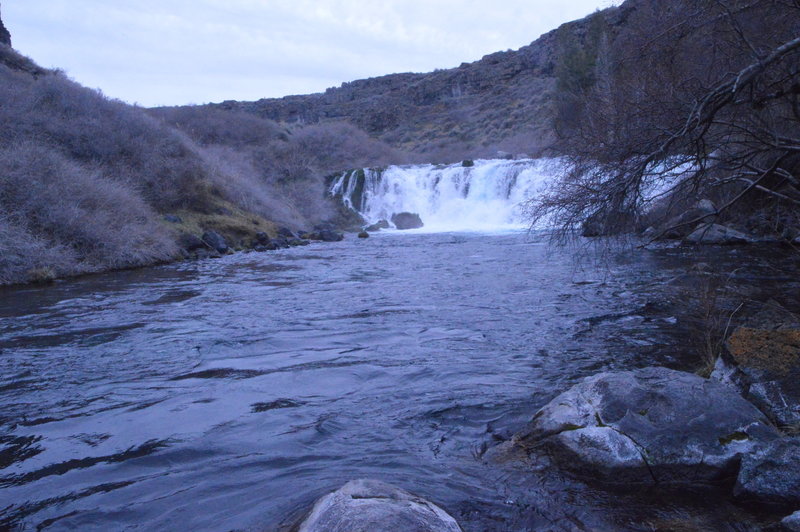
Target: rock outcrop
(5, 35)
(372, 506)
(459, 106)
(653, 425)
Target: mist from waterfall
(488, 196)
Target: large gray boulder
(771, 476)
(372, 506)
(652, 425)
(718, 235)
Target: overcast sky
(165, 52)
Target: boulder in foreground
(372, 506)
(649, 426)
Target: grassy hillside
(86, 181)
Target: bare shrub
(707, 86)
(88, 221)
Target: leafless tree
(700, 97)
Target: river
(229, 394)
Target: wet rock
(190, 242)
(325, 235)
(653, 425)
(286, 233)
(205, 253)
(407, 220)
(606, 224)
(215, 241)
(363, 234)
(280, 243)
(297, 242)
(727, 373)
(372, 506)
(173, 219)
(717, 235)
(771, 476)
(769, 362)
(792, 523)
(685, 223)
(382, 224)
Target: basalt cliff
(505, 101)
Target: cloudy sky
(163, 52)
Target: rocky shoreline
(732, 435)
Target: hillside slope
(503, 101)
(90, 184)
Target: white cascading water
(488, 196)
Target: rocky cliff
(503, 101)
(5, 36)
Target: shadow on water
(230, 394)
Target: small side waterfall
(488, 195)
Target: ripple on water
(230, 394)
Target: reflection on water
(230, 394)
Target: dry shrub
(72, 219)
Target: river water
(230, 394)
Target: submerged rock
(771, 476)
(372, 506)
(215, 241)
(407, 220)
(652, 425)
(718, 235)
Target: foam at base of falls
(489, 196)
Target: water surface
(230, 394)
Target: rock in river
(407, 220)
(717, 234)
(215, 241)
(372, 506)
(652, 425)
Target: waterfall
(486, 195)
